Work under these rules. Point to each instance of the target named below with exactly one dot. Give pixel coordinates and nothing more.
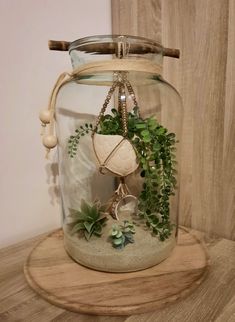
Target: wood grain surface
(57, 278)
(204, 31)
(137, 18)
(214, 299)
(229, 130)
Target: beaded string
(47, 117)
(123, 109)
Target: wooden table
(214, 300)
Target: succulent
(121, 235)
(89, 220)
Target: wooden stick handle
(59, 45)
(171, 52)
(107, 48)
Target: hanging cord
(47, 116)
(121, 192)
(105, 105)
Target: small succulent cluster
(121, 235)
(89, 220)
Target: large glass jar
(118, 124)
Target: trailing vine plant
(155, 149)
(74, 139)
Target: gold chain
(131, 92)
(121, 83)
(106, 102)
(123, 108)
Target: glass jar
(118, 124)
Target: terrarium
(117, 126)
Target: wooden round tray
(57, 278)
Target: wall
(29, 196)
(204, 30)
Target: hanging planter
(115, 154)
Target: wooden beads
(45, 116)
(49, 141)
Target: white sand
(98, 253)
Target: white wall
(29, 202)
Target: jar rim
(140, 45)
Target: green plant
(155, 149)
(74, 139)
(121, 235)
(89, 220)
